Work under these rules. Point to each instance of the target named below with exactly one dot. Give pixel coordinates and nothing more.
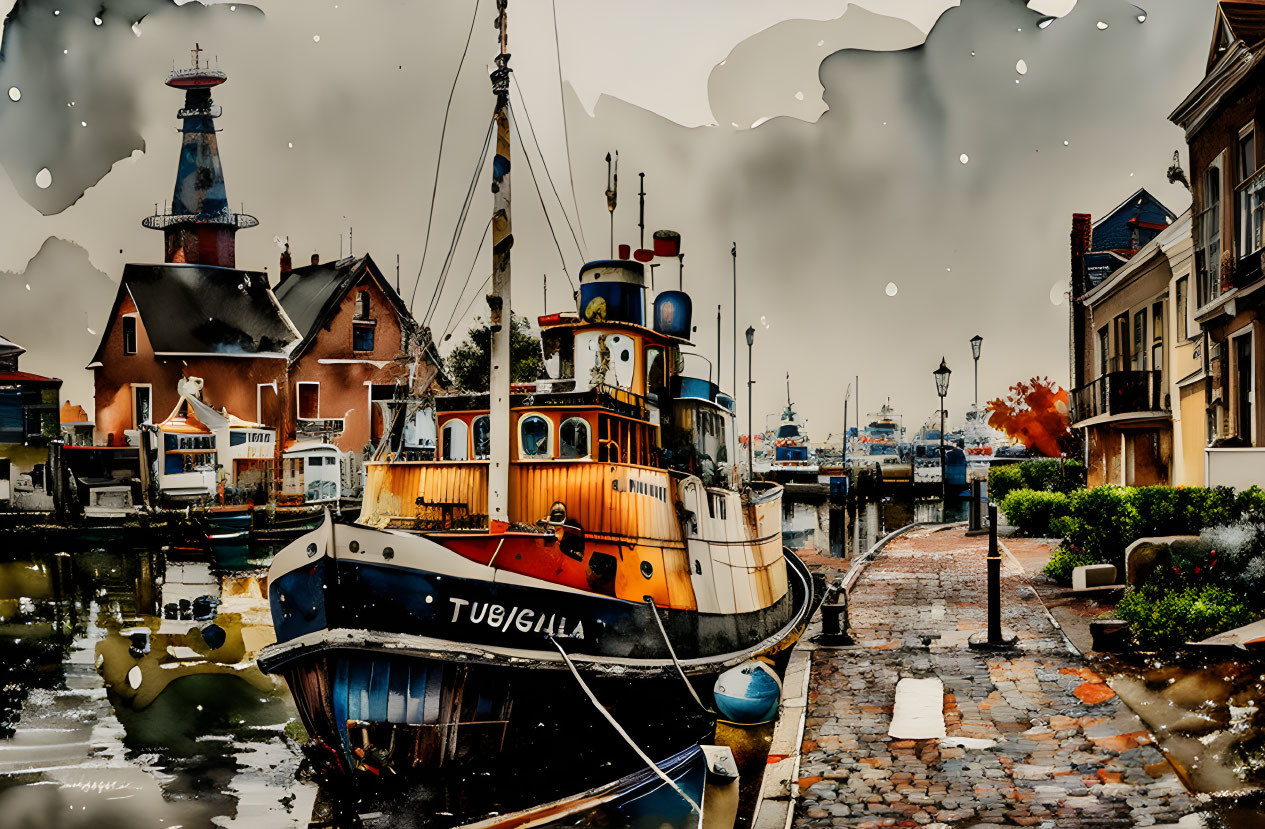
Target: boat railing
(622, 401)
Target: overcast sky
(838, 149)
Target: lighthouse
(199, 228)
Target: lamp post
(942, 388)
(976, 342)
(750, 382)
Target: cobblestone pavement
(1034, 737)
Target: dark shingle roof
(200, 309)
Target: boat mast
(501, 323)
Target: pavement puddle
(918, 712)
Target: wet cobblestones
(1034, 737)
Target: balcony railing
(1119, 392)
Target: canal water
(126, 700)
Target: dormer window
(129, 334)
(362, 305)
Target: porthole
(647, 569)
(311, 549)
(354, 546)
(388, 553)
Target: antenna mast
(612, 193)
(501, 318)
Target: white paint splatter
(1066, 143)
(316, 38)
(83, 123)
(757, 122)
(1101, 25)
(136, 28)
(891, 289)
(43, 179)
(821, 43)
(93, 333)
(1021, 67)
(1058, 292)
(799, 96)
(290, 144)
(15, 94)
(96, 21)
(1142, 18)
(964, 158)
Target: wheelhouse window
(309, 400)
(482, 432)
(573, 437)
(456, 438)
(533, 437)
(129, 334)
(656, 373)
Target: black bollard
(994, 581)
(834, 619)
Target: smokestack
(316, 259)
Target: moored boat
(592, 527)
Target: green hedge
(1104, 520)
(1159, 616)
(1063, 562)
(1044, 475)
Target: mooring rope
(631, 744)
(654, 611)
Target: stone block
(1144, 555)
(1089, 576)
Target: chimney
(285, 262)
(316, 259)
(1082, 236)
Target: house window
(1104, 350)
(573, 436)
(362, 305)
(1157, 336)
(456, 436)
(129, 334)
(1208, 238)
(533, 437)
(1251, 194)
(1183, 287)
(482, 437)
(309, 400)
(142, 405)
(1244, 388)
(1120, 361)
(1139, 340)
(362, 336)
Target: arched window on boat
(455, 440)
(482, 432)
(573, 437)
(534, 437)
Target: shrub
(1065, 559)
(1201, 507)
(1030, 511)
(1043, 474)
(1160, 617)
(1250, 505)
(1159, 511)
(1002, 480)
(1108, 522)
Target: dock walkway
(1033, 737)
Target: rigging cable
(631, 743)
(536, 140)
(440, 155)
(540, 196)
(452, 317)
(461, 223)
(557, 51)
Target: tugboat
(793, 456)
(584, 537)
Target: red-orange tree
(1034, 413)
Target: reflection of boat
(793, 455)
(592, 524)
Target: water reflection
(817, 527)
(112, 709)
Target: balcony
(1119, 393)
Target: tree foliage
(1034, 413)
(469, 363)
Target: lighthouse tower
(199, 228)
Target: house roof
(202, 309)
(312, 294)
(7, 377)
(1246, 19)
(72, 414)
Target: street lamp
(750, 382)
(942, 389)
(976, 342)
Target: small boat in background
(793, 455)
